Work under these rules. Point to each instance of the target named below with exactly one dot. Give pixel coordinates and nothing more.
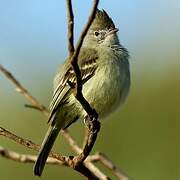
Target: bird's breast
(106, 90)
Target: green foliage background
(142, 138)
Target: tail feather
(45, 149)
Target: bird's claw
(92, 124)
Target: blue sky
(33, 32)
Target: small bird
(104, 66)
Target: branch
(100, 157)
(70, 17)
(74, 61)
(93, 116)
(57, 159)
(26, 158)
(23, 91)
(88, 162)
(29, 144)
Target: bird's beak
(112, 31)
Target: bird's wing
(87, 62)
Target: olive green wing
(66, 78)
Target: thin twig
(26, 158)
(32, 107)
(23, 91)
(110, 165)
(29, 144)
(70, 17)
(74, 62)
(96, 171)
(101, 157)
(93, 116)
(73, 144)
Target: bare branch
(32, 107)
(70, 17)
(56, 158)
(23, 91)
(26, 158)
(110, 165)
(72, 142)
(93, 116)
(74, 61)
(96, 171)
(100, 157)
(27, 143)
(87, 162)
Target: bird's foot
(92, 123)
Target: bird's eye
(96, 33)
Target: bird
(104, 66)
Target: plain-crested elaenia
(104, 66)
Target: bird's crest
(102, 21)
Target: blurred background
(143, 137)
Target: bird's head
(102, 31)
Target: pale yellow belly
(104, 90)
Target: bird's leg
(92, 123)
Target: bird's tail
(46, 147)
